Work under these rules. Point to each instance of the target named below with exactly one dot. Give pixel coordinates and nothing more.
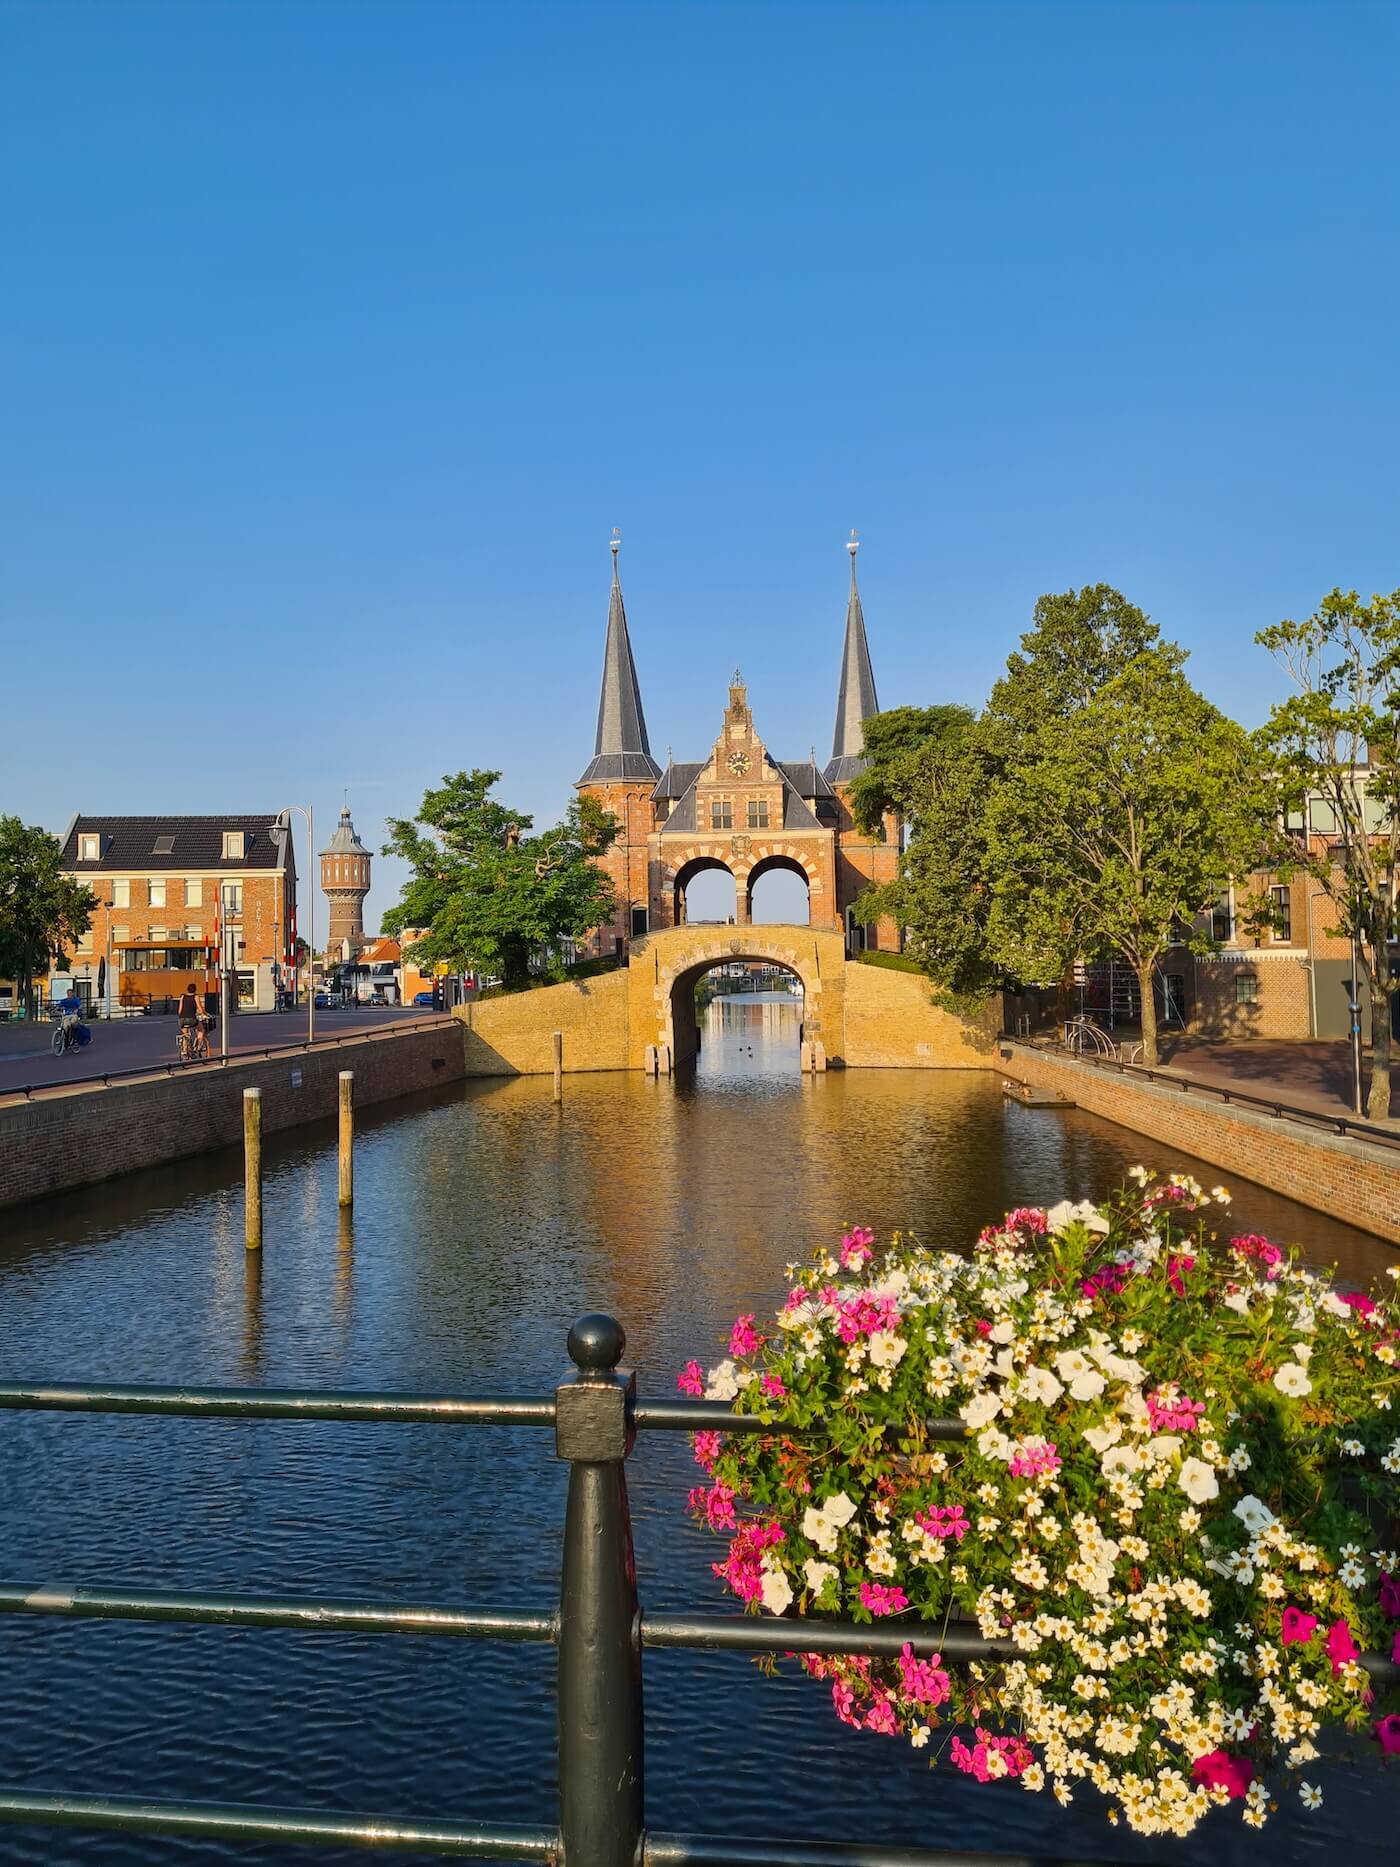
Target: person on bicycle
(72, 1008)
(189, 1016)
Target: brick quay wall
(1355, 1181)
(79, 1136)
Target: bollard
(600, 1655)
(252, 1169)
(558, 1066)
(347, 1137)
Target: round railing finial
(596, 1344)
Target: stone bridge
(643, 1015)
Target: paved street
(1309, 1075)
(133, 1043)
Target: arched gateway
(664, 968)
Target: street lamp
(305, 810)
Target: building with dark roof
(740, 810)
(170, 890)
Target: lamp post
(305, 810)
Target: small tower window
(721, 814)
(758, 813)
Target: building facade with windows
(739, 809)
(170, 891)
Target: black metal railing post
(600, 1647)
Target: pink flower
(1255, 1246)
(1015, 1755)
(1219, 1770)
(743, 1339)
(1176, 1266)
(706, 1447)
(881, 1716)
(1169, 1411)
(981, 1325)
(866, 1316)
(943, 1521)
(690, 1380)
(1106, 1281)
(1395, 1652)
(742, 1569)
(1362, 1304)
(855, 1247)
(772, 1386)
(1390, 1597)
(1032, 1456)
(1387, 1732)
(1298, 1628)
(1340, 1646)
(923, 1682)
(717, 1504)
(844, 1700)
(882, 1600)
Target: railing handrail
(1166, 1077)
(599, 1630)
(260, 1053)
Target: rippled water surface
(486, 1218)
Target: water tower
(345, 883)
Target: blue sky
(335, 339)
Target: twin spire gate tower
(740, 809)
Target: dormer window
(163, 846)
(235, 845)
(90, 848)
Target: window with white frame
(1283, 913)
(157, 888)
(1222, 915)
(194, 891)
(89, 848)
(234, 846)
(232, 893)
(120, 936)
(121, 892)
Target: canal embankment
(81, 1133)
(1352, 1179)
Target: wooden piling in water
(252, 1169)
(558, 1066)
(347, 1138)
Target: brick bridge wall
(92, 1133)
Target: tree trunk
(1149, 1015)
(1378, 1095)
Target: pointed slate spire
(620, 749)
(855, 698)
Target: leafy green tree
(1110, 834)
(1078, 641)
(42, 911)
(899, 746)
(487, 892)
(1337, 740)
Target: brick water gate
(664, 969)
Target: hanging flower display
(1175, 1506)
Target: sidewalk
(1309, 1075)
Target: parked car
(321, 1002)
(423, 998)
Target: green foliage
(42, 911)
(1337, 741)
(898, 746)
(892, 962)
(487, 892)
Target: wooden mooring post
(347, 1138)
(252, 1169)
(558, 1066)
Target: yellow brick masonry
(1356, 1181)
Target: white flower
(819, 1529)
(1291, 1380)
(1079, 1373)
(1165, 1446)
(1039, 1384)
(1198, 1481)
(776, 1589)
(1353, 1448)
(1351, 1575)
(818, 1574)
(1102, 1437)
(1253, 1514)
(918, 1737)
(992, 1443)
(840, 1509)
(1302, 1351)
(1238, 1300)
(1066, 1213)
(887, 1348)
(1309, 1797)
(721, 1384)
(980, 1410)
(1004, 1332)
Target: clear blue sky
(335, 339)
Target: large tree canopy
(42, 911)
(486, 891)
(899, 748)
(1336, 741)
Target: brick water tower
(345, 883)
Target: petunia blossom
(1298, 1628)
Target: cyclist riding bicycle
(71, 1007)
(190, 1019)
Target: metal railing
(257, 1053)
(599, 1631)
(1227, 1092)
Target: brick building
(345, 881)
(739, 809)
(165, 886)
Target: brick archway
(663, 970)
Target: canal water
(486, 1218)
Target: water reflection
(485, 1219)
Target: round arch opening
(779, 892)
(684, 1020)
(704, 891)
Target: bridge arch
(665, 967)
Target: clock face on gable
(738, 763)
